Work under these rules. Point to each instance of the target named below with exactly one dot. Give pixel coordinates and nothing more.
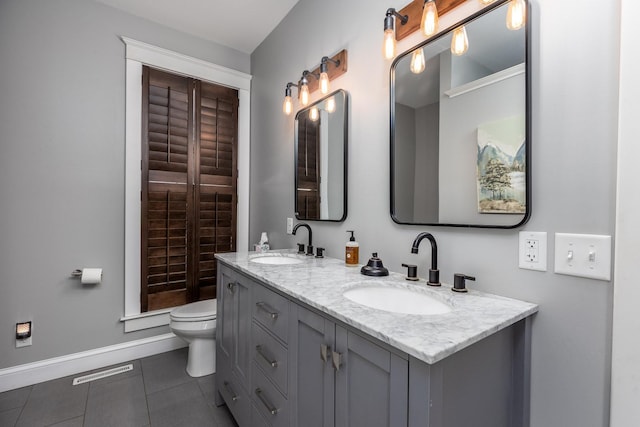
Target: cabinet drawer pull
(273, 363)
(233, 394)
(336, 359)
(324, 352)
(267, 309)
(272, 410)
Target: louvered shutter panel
(308, 170)
(165, 193)
(217, 160)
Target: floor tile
(208, 386)
(54, 401)
(9, 417)
(165, 370)
(117, 403)
(180, 406)
(14, 398)
(74, 422)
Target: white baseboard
(58, 367)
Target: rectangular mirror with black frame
(321, 133)
(460, 127)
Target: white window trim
(137, 55)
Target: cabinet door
(371, 383)
(242, 329)
(224, 321)
(312, 376)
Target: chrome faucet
(434, 273)
(310, 245)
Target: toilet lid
(195, 311)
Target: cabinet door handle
(233, 394)
(336, 359)
(324, 352)
(267, 309)
(273, 363)
(272, 409)
(230, 286)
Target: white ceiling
(239, 24)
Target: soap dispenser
(351, 251)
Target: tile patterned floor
(156, 393)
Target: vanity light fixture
(459, 41)
(417, 61)
(324, 75)
(429, 22)
(516, 14)
(389, 40)
(314, 114)
(287, 105)
(331, 105)
(304, 87)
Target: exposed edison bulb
(486, 1)
(331, 105)
(516, 14)
(429, 23)
(389, 44)
(417, 61)
(324, 83)
(314, 114)
(459, 42)
(287, 105)
(304, 94)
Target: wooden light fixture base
(333, 71)
(414, 11)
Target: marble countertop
(320, 283)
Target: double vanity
(305, 341)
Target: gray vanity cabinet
(343, 379)
(233, 332)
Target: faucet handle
(459, 284)
(319, 252)
(300, 248)
(412, 272)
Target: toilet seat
(199, 311)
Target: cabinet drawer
(234, 396)
(271, 404)
(271, 356)
(257, 420)
(272, 311)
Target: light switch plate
(583, 255)
(532, 250)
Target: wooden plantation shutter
(308, 169)
(188, 202)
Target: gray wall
(62, 74)
(574, 148)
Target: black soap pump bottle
(351, 251)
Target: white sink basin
(276, 259)
(397, 300)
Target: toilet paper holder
(88, 276)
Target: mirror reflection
(459, 133)
(321, 159)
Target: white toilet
(196, 324)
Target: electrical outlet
(289, 225)
(532, 250)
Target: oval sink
(397, 300)
(276, 259)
